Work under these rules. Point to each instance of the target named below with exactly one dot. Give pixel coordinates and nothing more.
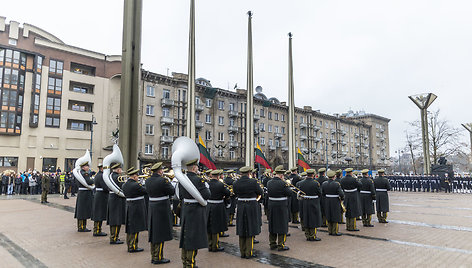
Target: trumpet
(230, 187)
(295, 189)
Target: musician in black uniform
(339, 175)
(247, 225)
(216, 210)
(116, 212)
(321, 179)
(194, 224)
(160, 224)
(310, 209)
(135, 220)
(351, 187)
(367, 198)
(83, 206)
(265, 200)
(278, 191)
(294, 207)
(100, 203)
(333, 194)
(381, 187)
(232, 208)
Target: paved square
(425, 230)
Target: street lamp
(93, 122)
(423, 101)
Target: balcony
(256, 117)
(333, 130)
(334, 152)
(356, 135)
(198, 124)
(357, 155)
(316, 139)
(303, 125)
(343, 142)
(199, 107)
(278, 135)
(358, 144)
(382, 130)
(233, 129)
(382, 139)
(303, 137)
(256, 131)
(333, 141)
(366, 146)
(165, 120)
(284, 148)
(232, 113)
(167, 102)
(272, 148)
(316, 128)
(167, 139)
(233, 144)
(343, 132)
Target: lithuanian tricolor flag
(301, 161)
(205, 158)
(260, 158)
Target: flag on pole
(205, 157)
(301, 161)
(260, 158)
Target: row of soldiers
(317, 202)
(430, 183)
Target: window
(81, 88)
(54, 86)
(221, 136)
(39, 63)
(165, 131)
(56, 67)
(231, 106)
(271, 142)
(208, 118)
(283, 118)
(150, 129)
(269, 115)
(276, 129)
(8, 161)
(150, 110)
(52, 121)
(82, 69)
(208, 102)
(53, 105)
(231, 122)
(221, 105)
(150, 91)
(231, 137)
(221, 120)
(79, 106)
(283, 143)
(166, 94)
(197, 100)
(283, 130)
(232, 155)
(295, 118)
(261, 127)
(262, 113)
(276, 116)
(78, 125)
(165, 112)
(165, 152)
(220, 152)
(197, 116)
(262, 140)
(208, 135)
(269, 128)
(149, 149)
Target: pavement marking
(427, 206)
(430, 214)
(26, 259)
(437, 226)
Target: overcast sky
(361, 55)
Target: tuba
(114, 157)
(76, 171)
(184, 149)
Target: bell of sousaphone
(183, 150)
(114, 157)
(76, 171)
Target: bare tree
(412, 145)
(444, 140)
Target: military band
(116, 212)
(83, 206)
(367, 193)
(333, 194)
(100, 201)
(310, 208)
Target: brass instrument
(295, 189)
(342, 206)
(230, 187)
(122, 178)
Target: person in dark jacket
(247, 191)
(333, 194)
(100, 203)
(229, 180)
(83, 205)
(278, 191)
(194, 223)
(116, 211)
(310, 209)
(135, 220)
(45, 185)
(160, 224)
(351, 187)
(321, 179)
(339, 175)
(294, 207)
(216, 210)
(367, 198)
(381, 189)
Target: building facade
(352, 139)
(52, 95)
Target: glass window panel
(52, 66)
(13, 98)
(14, 77)
(2, 53)
(50, 103)
(59, 67)
(58, 85)
(56, 122)
(1, 74)
(16, 57)
(11, 120)
(3, 119)
(51, 83)
(39, 62)
(7, 76)
(8, 55)
(57, 104)
(48, 121)
(5, 97)
(38, 81)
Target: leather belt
(187, 200)
(135, 198)
(277, 198)
(310, 196)
(158, 198)
(381, 190)
(350, 190)
(332, 195)
(215, 201)
(84, 189)
(365, 192)
(247, 199)
(99, 189)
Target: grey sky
(364, 55)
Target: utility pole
(249, 97)
(291, 108)
(191, 132)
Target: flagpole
(291, 108)
(191, 75)
(249, 100)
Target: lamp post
(93, 122)
(423, 101)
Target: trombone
(295, 189)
